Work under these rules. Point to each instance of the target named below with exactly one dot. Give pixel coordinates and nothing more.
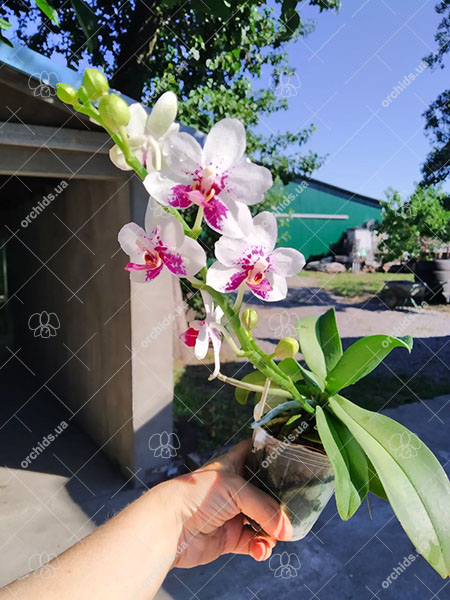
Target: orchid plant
(219, 183)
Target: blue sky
(346, 68)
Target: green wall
(314, 236)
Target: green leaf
(375, 485)
(319, 342)
(4, 24)
(256, 378)
(292, 368)
(414, 481)
(361, 358)
(348, 461)
(48, 10)
(88, 22)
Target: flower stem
(257, 357)
(197, 227)
(252, 387)
(226, 334)
(239, 298)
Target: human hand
(211, 506)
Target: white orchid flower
(216, 177)
(147, 132)
(201, 333)
(254, 262)
(162, 243)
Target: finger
(260, 507)
(243, 540)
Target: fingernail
(260, 550)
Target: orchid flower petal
(183, 155)
(202, 343)
(224, 279)
(138, 118)
(278, 291)
(224, 145)
(163, 228)
(247, 182)
(193, 255)
(286, 261)
(221, 219)
(230, 252)
(265, 230)
(133, 240)
(162, 116)
(207, 302)
(216, 344)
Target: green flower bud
(249, 318)
(66, 93)
(95, 84)
(114, 111)
(287, 348)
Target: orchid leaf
(375, 485)
(48, 10)
(255, 378)
(361, 358)
(4, 24)
(320, 343)
(292, 368)
(414, 481)
(348, 461)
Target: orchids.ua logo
(285, 565)
(164, 445)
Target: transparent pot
(299, 477)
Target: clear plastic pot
(301, 478)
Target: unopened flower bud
(163, 115)
(287, 348)
(249, 318)
(95, 84)
(66, 93)
(114, 111)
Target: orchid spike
(216, 177)
(254, 262)
(162, 243)
(147, 132)
(201, 333)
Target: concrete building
(103, 348)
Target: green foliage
(414, 481)
(437, 164)
(221, 57)
(348, 460)
(416, 226)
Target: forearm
(127, 558)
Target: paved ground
(71, 488)
(50, 505)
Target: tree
(417, 226)
(222, 58)
(437, 164)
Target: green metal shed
(319, 213)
